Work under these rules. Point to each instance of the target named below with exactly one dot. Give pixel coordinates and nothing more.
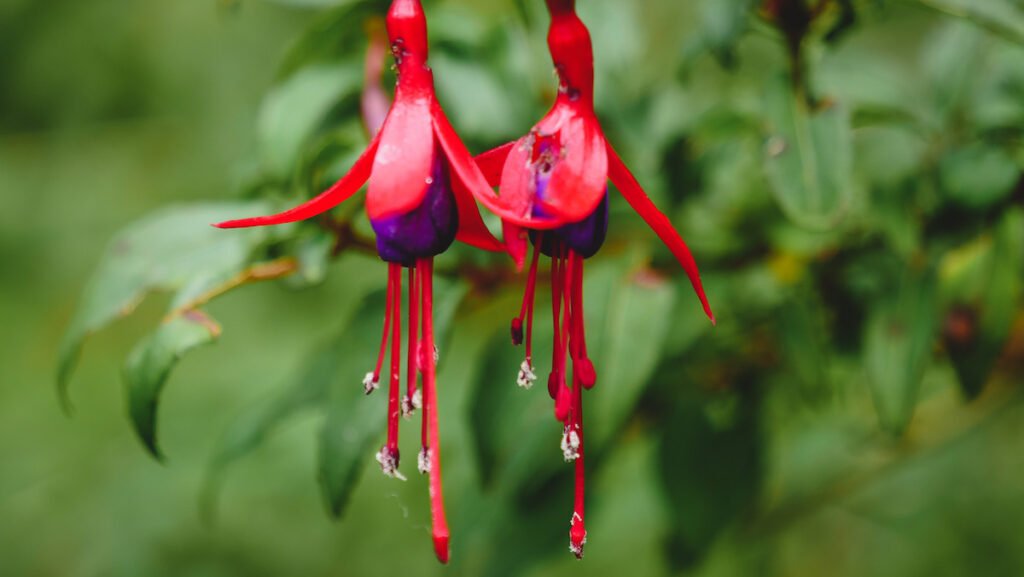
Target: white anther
(370, 385)
(389, 464)
(417, 399)
(407, 408)
(577, 550)
(423, 461)
(526, 375)
(570, 445)
(437, 355)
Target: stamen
(577, 528)
(412, 356)
(423, 461)
(531, 291)
(433, 446)
(570, 443)
(563, 398)
(582, 365)
(526, 375)
(556, 308)
(369, 384)
(395, 273)
(372, 380)
(526, 309)
(388, 459)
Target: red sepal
(491, 162)
(579, 179)
(405, 157)
(465, 179)
(467, 171)
(659, 223)
(339, 192)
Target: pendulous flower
(553, 192)
(419, 200)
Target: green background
(834, 422)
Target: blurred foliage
(848, 174)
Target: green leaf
(335, 36)
(804, 344)
(978, 176)
(710, 473)
(354, 421)
(312, 3)
(295, 110)
(899, 336)
(165, 251)
(626, 334)
(983, 308)
(150, 363)
(628, 312)
(310, 390)
(808, 157)
(331, 381)
(722, 24)
(1004, 18)
(951, 62)
(313, 253)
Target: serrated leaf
(808, 157)
(165, 251)
(295, 109)
(150, 363)
(898, 343)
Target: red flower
(553, 192)
(419, 200)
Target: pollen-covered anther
(411, 404)
(423, 461)
(570, 444)
(577, 535)
(526, 375)
(388, 460)
(370, 384)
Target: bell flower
(553, 192)
(419, 200)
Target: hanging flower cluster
(552, 192)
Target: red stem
(412, 354)
(394, 388)
(437, 513)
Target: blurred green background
(848, 175)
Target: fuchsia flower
(419, 200)
(553, 192)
